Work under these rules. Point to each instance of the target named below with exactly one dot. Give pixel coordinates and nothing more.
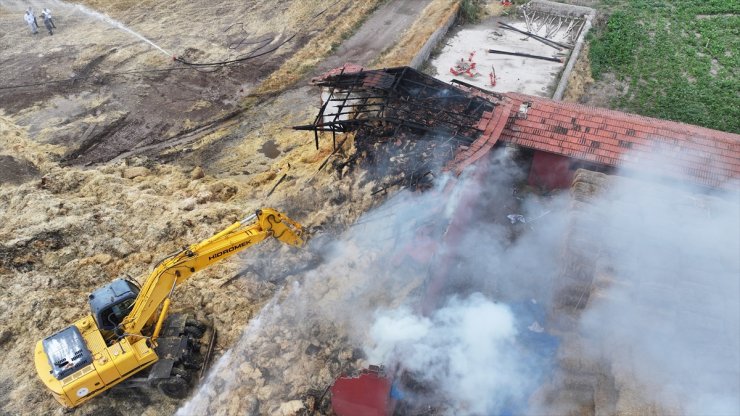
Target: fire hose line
(188, 64)
(84, 78)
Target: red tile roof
(378, 79)
(492, 123)
(597, 135)
(708, 157)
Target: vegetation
(470, 11)
(679, 59)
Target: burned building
(449, 127)
(401, 109)
(407, 124)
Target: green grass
(470, 11)
(680, 58)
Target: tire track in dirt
(379, 31)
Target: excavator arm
(174, 270)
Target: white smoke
(663, 315)
(221, 376)
(466, 349)
(479, 340)
(667, 321)
(473, 342)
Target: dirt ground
(112, 155)
(583, 89)
(104, 91)
(580, 79)
(92, 186)
(377, 34)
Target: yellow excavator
(130, 328)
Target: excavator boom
(176, 269)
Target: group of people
(33, 24)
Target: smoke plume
(667, 317)
(467, 351)
(453, 289)
(468, 285)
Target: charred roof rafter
(401, 98)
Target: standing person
(30, 11)
(47, 12)
(31, 22)
(47, 22)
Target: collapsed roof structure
(414, 126)
(424, 119)
(461, 123)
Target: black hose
(188, 65)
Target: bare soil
(377, 34)
(102, 91)
(601, 93)
(583, 89)
(113, 155)
(580, 79)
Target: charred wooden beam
(457, 81)
(358, 98)
(549, 42)
(526, 55)
(544, 41)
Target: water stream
(113, 22)
(107, 19)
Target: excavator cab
(113, 302)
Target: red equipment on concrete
(368, 394)
(465, 67)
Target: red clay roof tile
(616, 138)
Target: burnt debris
(407, 124)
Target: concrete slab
(513, 73)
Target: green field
(680, 59)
